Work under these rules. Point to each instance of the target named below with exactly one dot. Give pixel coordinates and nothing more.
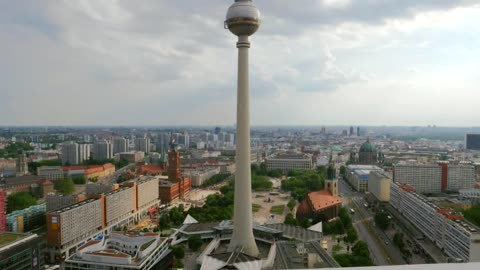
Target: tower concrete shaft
(243, 228)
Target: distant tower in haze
(351, 131)
(358, 131)
(331, 184)
(174, 174)
(243, 20)
(22, 164)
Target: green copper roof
(368, 147)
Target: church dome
(367, 147)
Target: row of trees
(11, 150)
(303, 182)
(360, 256)
(473, 214)
(215, 179)
(19, 201)
(382, 220)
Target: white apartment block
(120, 145)
(199, 176)
(447, 229)
(142, 144)
(70, 154)
(435, 178)
(84, 152)
(461, 177)
(358, 176)
(147, 187)
(102, 150)
(76, 221)
(287, 162)
(120, 203)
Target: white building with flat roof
(288, 162)
(458, 238)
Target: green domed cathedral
(368, 154)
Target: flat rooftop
(7, 238)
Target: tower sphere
(243, 18)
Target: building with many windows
(120, 145)
(435, 178)
(358, 176)
(69, 227)
(379, 185)
(102, 150)
(142, 144)
(121, 250)
(288, 162)
(458, 238)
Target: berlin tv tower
(243, 20)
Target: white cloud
(171, 62)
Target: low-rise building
(319, 205)
(199, 176)
(358, 176)
(27, 219)
(132, 157)
(288, 162)
(126, 250)
(21, 251)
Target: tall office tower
(86, 138)
(472, 142)
(70, 153)
(22, 163)
(243, 20)
(229, 139)
(102, 150)
(83, 152)
(351, 131)
(142, 144)
(184, 139)
(120, 145)
(358, 131)
(323, 131)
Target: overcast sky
(313, 62)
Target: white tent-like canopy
(190, 220)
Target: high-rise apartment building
(142, 144)
(72, 224)
(83, 152)
(74, 153)
(70, 153)
(435, 178)
(472, 142)
(69, 227)
(102, 150)
(120, 145)
(446, 228)
(120, 203)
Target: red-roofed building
(150, 169)
(319, 205)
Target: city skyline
(334, 63)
